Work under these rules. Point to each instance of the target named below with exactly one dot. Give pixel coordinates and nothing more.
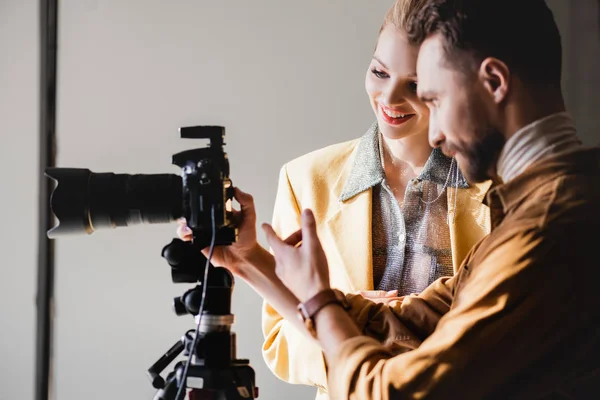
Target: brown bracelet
(310, 308)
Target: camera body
(206, 184)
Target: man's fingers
(183, 232)
(274, 241)
(294, 239)
(236, 217)
(245, 199)
(184, 237)
(309, 228)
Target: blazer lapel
(346, 234)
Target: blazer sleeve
(289, 354)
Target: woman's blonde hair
(401, 12)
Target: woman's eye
(379, 74)
(413, 86)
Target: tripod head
(213, 371)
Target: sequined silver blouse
(410, 243)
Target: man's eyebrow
(426, 96)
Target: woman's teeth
(394, 114)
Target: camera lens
(84, 201)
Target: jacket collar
(552, 134)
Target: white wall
(18, 196)
(284, 78)
(583, 69)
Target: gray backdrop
(284, 78)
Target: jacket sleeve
(288, 353)
(501, 314)
(405, 322)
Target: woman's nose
(395, 94)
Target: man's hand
(303, 269)
(231, 257)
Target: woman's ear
(495, 76)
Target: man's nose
(436, 137)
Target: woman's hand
(234, 255)
(380, 296)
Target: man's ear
(495, 76)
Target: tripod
(214, 371)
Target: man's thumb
(272, 239)
(245, 199)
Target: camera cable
(182, 382)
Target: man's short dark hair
(520, 33)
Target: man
(521, 318)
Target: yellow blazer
(316, 181)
